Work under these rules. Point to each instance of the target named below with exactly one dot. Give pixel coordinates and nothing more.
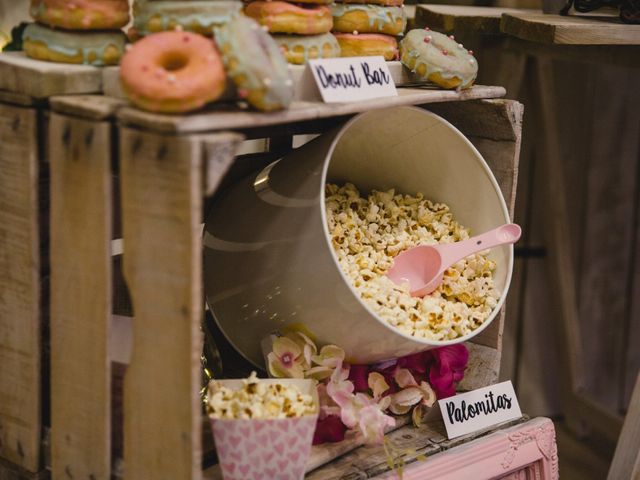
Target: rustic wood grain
(161, 185)
(626, 461)
(454, 18)
(39, 79)
(621, 55)
(19, 99)
(20, 315)
(95, 107)
(80, 297)
(229, 117)
(633, 336)
(557, 29)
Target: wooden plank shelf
(229, 117)
(39, 79)
(561, 30)
(518, 447)
(457, 18)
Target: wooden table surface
(530, 25)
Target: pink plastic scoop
(424, 265)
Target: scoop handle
(451, 253)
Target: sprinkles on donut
(437, 58)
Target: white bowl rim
(505, 212)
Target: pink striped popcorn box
(257, 449)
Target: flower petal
(358, 375)
(377, 384)
(373, 422)
(399, 409)
(329, 356)
(417, 415)
(428, 395)
(284, 345)
(404, 378)
(276, 369)
(329, 429)
(319, 373)
(407, 397)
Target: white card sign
(479, 409)
(352, 79)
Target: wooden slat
(557, 29)
(428, 440)
(19, 99)
(461, 18)
(161, 185)
(42, 79)
(95, 107)
(602, 55)
(20, 315)
(633, 336)
(80, 297)
(626, 461)
(225, 117)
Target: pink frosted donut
(81, 14)
(284, 17)
(172, 72)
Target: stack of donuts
(179, 71)
(78, 31)
(369, 27)
(301, 29)
(198, 16)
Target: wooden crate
(23, 283)
(167, 167)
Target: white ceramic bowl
(268, 261)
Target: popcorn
(366, 233)
(257, 400)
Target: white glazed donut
(436, 58)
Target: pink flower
(373, 422)
(448, 368)
(329, 429)
(286, 359)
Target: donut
(349, 18)
(194, 16)
(255, 64)
(386, 3)
(298, 49)
(368, 44)
(81, 14)
(91, 48)
(283, 17)
(172, 72)
(436, 58)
